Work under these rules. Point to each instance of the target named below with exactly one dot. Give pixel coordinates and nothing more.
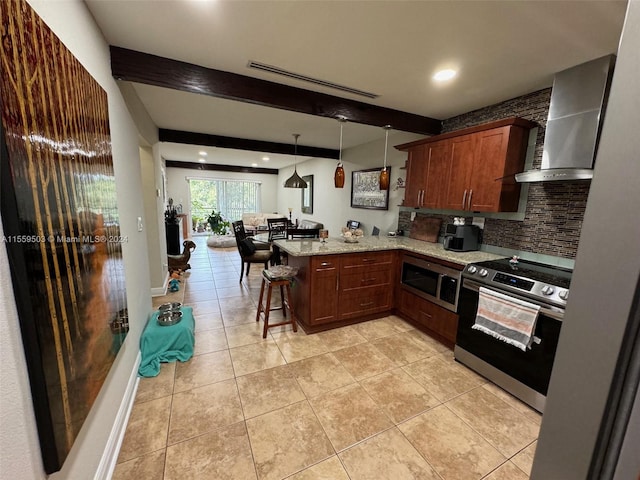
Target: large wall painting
(61, 226)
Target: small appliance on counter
(461, 238)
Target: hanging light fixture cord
(295, 181)
(386, 143)
(384, 174)
(338, 176)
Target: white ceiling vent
(279, 71)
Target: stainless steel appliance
(525, 374)
(432, 281)
(461, 238)
(576, 112)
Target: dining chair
(251, 251)
(277, 231)
(294, 233)
(277, 228)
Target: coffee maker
(461, 238)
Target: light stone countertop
(337, 245)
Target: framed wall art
(365, 190)
(61, 226)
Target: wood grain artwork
(61, 225)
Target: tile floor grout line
(416, 448)
(440, 356)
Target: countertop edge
(308, 248)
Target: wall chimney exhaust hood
(576, 111)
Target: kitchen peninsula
(342, 283)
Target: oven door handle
(552, 312)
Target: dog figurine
(181, 262)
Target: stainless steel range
(525, 374)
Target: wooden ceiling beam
(219, 168)
(204, 139)
(140, 67)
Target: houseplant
(217, 223)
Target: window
(231, 197)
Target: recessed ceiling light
(254, 164)
(444, 75)
(201, 160)
(265, 159)
(203, 153)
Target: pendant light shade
(294, 181)
(338, 176)
(384, 174)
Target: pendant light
(384, 174)
(294, 181)
(338, 176)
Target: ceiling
(501, 49)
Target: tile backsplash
(554, 211)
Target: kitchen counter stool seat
(271, 279)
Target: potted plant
(195, 221)
(217, 223)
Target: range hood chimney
(578, 99)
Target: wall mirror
(307, 195)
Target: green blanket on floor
(166, 343)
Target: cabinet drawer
(436, 318)
(325, 262)
(429, 315)
(359, 261)
(367, 278)
(369, 300)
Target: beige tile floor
(378, 400)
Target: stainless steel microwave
(431, 281)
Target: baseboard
(110, 456)
(161, 291)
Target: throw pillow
(247, 247)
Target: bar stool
(279, 276)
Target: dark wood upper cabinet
(416, 175)
(468, 170)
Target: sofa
(305, 224)
(252, 221)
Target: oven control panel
(529, 287)
(517, 282)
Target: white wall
(332, 206)
(19, 448)
(178, 186)
(153, 209)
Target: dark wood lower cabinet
(335, 290)
(432, 317)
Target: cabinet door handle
(325, 264)
(366, 304)
(425, 314)
(337, 284)
(464, 199)
(367, 280)
(422, 199)
(470, 195)
(418, 198)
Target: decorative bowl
(169, 318)
(166, 307)
(350, 240)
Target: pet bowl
(165, 307)
(169, 318)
